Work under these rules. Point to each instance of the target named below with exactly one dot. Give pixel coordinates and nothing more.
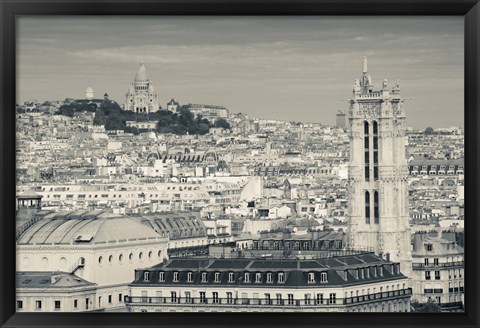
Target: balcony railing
(313, 302)
(422, 266)
(379, 296)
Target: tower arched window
(367, 207)
(366, 137)
(376, 212)
(375, 150)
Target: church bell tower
(378, 200)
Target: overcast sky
(288, 68)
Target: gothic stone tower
(378, 200)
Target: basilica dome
(141, 75)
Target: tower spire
(364, 62)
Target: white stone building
(141, 96)
(438, 270)
(100, 247)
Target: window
(281, 277)
(279, 299)
(231, 277)
(427, 275)
(247, 277)
(268, 300)
(203, 299)
(120, 298)
(435, 261)
(367, 150)
(161, 276)
(38, 305)
(307, 299)
(429, 247)
(229, 298)
(290, 299)
(204, 277)
(215, 297)
(437, 275)
(367, 207)
(75, 304)
(375, 150)
(190, 277)
(217, 276)
(173, 297)
(87, 302)
(100, 259)
(146, 276)
(258, 277)
(188, 297)
(333, 298)
(319, 299)
(175, 277)
(57, 305)
(269, 278)
(311, 277)
(376, 213)
(19, 304)
(323, 277)
(426, 262)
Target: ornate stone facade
(378, 210)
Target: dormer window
(375, 271)
(161, 276)
(311, 277)
(175, 277)
(269, 278)
(146, 276)
(258, 277)
(247, 277)
(367, 272)
(381, 271)
(204, 277)
(361, 273)
(281, 277)
(323, 277)
(217, 276)
(231, 277)
(190, 277)
(429, 247)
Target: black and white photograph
(240, 164)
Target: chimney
(387, 257)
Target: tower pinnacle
(364, 62)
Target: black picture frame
(11, 9)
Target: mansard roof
(344, 270)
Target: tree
(460, 238)
(100, 118)
(429, 306)
(114, 122)
(429, 130)
(222, 123)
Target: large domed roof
(141, 75)
(83, 226)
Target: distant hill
(109, 114)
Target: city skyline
(294, 69)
